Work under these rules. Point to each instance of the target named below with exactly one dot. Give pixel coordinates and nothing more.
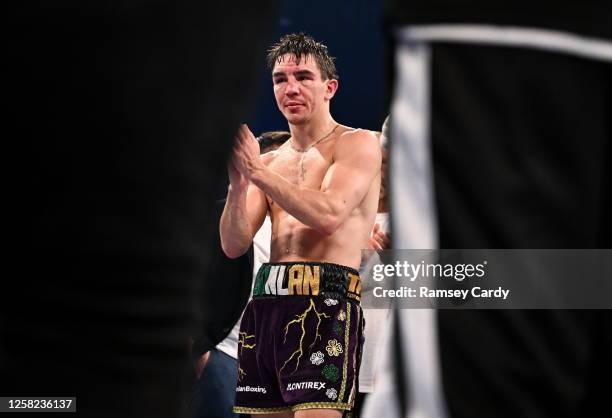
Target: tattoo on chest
(302, 170)
(304, 151)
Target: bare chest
(304, 169)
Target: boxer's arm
(244, 212)
(357, 161)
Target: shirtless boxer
(301, 335)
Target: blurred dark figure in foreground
(500, 138)
(216, 366)
(125, 109)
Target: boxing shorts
(300, 339)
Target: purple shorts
(300, 339)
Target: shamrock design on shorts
(341, 316)
(330, 302)
(334, 348)
(330, 372)
(332, 394)
(317, 358)
(337, 328)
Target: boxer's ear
(331, 86)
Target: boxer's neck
(304, 136)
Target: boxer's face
(300, 91)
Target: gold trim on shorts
(346, 344)
(246, 410)
(308, 405)
(322, 405)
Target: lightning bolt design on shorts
(301, 319)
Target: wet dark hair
(269, 139)
(301, 45)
